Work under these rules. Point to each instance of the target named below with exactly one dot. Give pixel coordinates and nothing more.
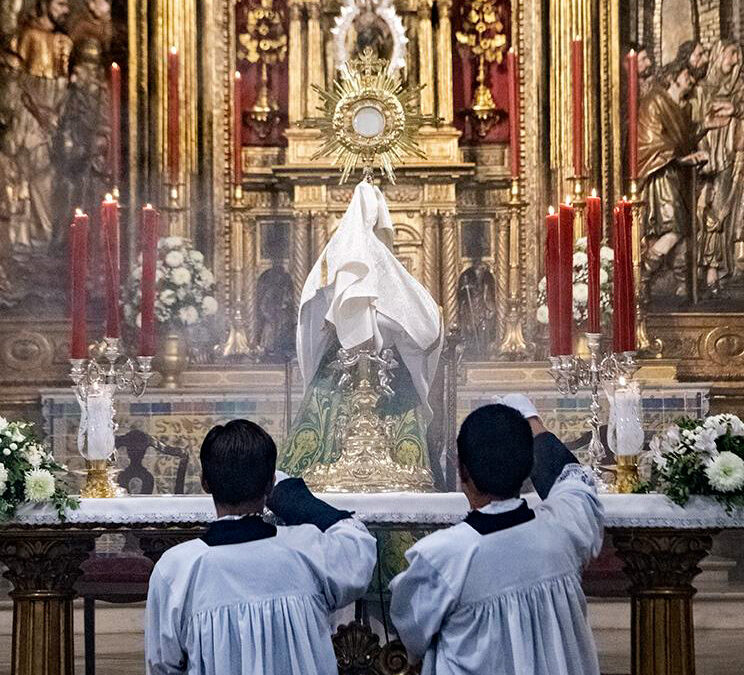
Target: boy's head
(495, 453)
(238, 461)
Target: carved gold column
(296, 57)
(430, 249)
(315, 69)
(250, 280)
(237, 340)
(661, 565)
(501, 271)
(450, 268)
(319, 233)
(43, 566)
(300, 262)
(426, 57)
(444, 62)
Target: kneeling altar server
(249, 598)
(501, 592)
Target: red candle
(115, 121)
(149, 245)
(565, 286)
(110, 246)
(173, 117)
(513, 77)
(78, 290)
(552, 281)
(238, 130)
(630, 304)
(632, 68)
(623, 313)
(577, 82)
(593, 238)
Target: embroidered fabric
(576, 472)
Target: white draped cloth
(255, 608)
(358, 286)
(509, 602)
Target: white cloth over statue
(358, 285)
(509, 602)
(255, 608)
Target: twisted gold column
(250, 279)
(430, 248)
(296, 84)
(450, 268)
(426, 57)
(300, 262)
(319, 233)
(315, 70)
(502, 278)
(444, 62)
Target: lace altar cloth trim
(437, 509)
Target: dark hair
(684, 51)
(671, 71)
(238, 461)
(495, 447)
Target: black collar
(488, 523)
(249, 528)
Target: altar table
(659, 543)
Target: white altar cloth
(396, 508)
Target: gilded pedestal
(43, 568)
(661, 565)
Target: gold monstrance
(370, 119)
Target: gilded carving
(358, 652)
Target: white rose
(181, 276)
(188, 315)
(174, 259)
(604, 276)
(172, 242)
(606, 253)
(726, 472)
(209, 305)
(14, 446)
(580, 259)
(6, 451)
(196, 257)
(38, 485)
(3, 478)
(581, 293)
(542, 314)
(167, 297)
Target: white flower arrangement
(698, 457)
(581, 285)
(28, 473)
(185, 291)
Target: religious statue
(276, 313)
(94, 24)
(361, 307)
(476, 304)
(719, 208)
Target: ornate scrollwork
(358, 652)
(156, 542)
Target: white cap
(522, 403)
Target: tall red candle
(238, 130)
(149, 246)
(78, 290)
(593, 239)
(514, 112)
(630, 304)
(173, 117)
(552, 280)
(565, 265)
(115, 121)
(110, 256)
(577, 89)
(632, 68)
(623, 294)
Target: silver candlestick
(570, 373)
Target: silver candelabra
(570, 373)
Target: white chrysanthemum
(542, 285)
(3, 478)
(172, 242)
(209, 305)
(159, 274)
(174, 259)
(34, 455)
(606, 253)
(188, 315)
(38, 485)
(580, 259)
(168, 296)
(604, 276)
(542, 314)
(581, 293)
(726, 472)
(181, 293)
(137, 273)
(181, 276)
(206, 278)
(196, 257)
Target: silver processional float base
(366, 463)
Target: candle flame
(631, 52)
(108, 198)
(567, 201)
(551, 211)
(148, 206)
(174, 49)
(114, 66)
(237, 74)
(577, 38)
(79, 212)
(622, 381)
(594, 192)
(625, 198)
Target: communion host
(249, 598)
(500, 593)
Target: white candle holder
(571, 373)
(96, 381)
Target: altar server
(500, 593)
(249, 598)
